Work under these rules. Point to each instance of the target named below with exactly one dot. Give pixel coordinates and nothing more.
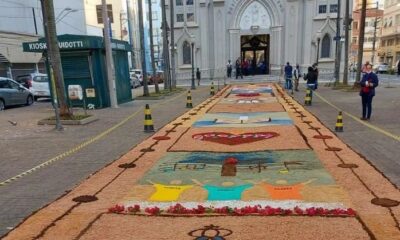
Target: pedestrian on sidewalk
(311, 78)
(238, 67)
(296, 75)
(368, 84)
(315, 69)
(229, 69)
(288, 76)
(198, 76)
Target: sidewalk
(28, 145)
(383, 151)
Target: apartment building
(389, 51)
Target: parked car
(381, 68)
(13, 93)
(138, 73)
(37, 83)
(135, 83)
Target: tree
(153, 63)
(361, 43)
(142, 50)
(54, 56)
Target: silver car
(13, 93)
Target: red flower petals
(179, 209)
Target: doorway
(255, 54)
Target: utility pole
(337, 38)
(375, 28)
(361, 42)
(109, 59)
(153, 63)
(347, 23)
(130, 33)
(34, 20)
(143, 50)
(54, 57)
(167, 78)
(172, 16)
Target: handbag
(365, 89)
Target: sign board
(75, 92)
(90, 93)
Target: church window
(326, 47)
(322, 9)
(179, 17)
(186, 53)
(333, 8)
(190, 17)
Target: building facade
(373, 25)
(389, 51)
(267, 33)
(22, 21)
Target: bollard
(307, 99)
(189, 103)
(148, 121)
(339, 123)
(212, 90)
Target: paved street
(28, 145)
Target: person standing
(315, 69)
(288, 76)
(238, 67)
(198, 76)
(368, 84)
(229, 69)
(311, 78)
(296, 75)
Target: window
(179, 2)
(179, 17)
(189, 2)
(355, 25)
(326, 46)
(333, 8)
(354, 40)
(190, 17)
(100, 14)
(383, 43)
(186, 53)
(322, 9)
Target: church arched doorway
(255, 54)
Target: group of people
(368, 84)
(245, 67)
(294, 75)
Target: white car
(138, 73)
(37, 83)
(382, 68)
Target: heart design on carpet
(234, 139)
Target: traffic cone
(148, 121)
(212, 90)
(307, 100)
(339, 123)
(189, 100)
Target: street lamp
(65, 11)
(318, 41)
(193, 84)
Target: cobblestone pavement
(27, 145)
(381, 150)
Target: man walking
(288, 76)
(296, 75)
(229, 69)
(238, 67)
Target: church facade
(265, 33)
